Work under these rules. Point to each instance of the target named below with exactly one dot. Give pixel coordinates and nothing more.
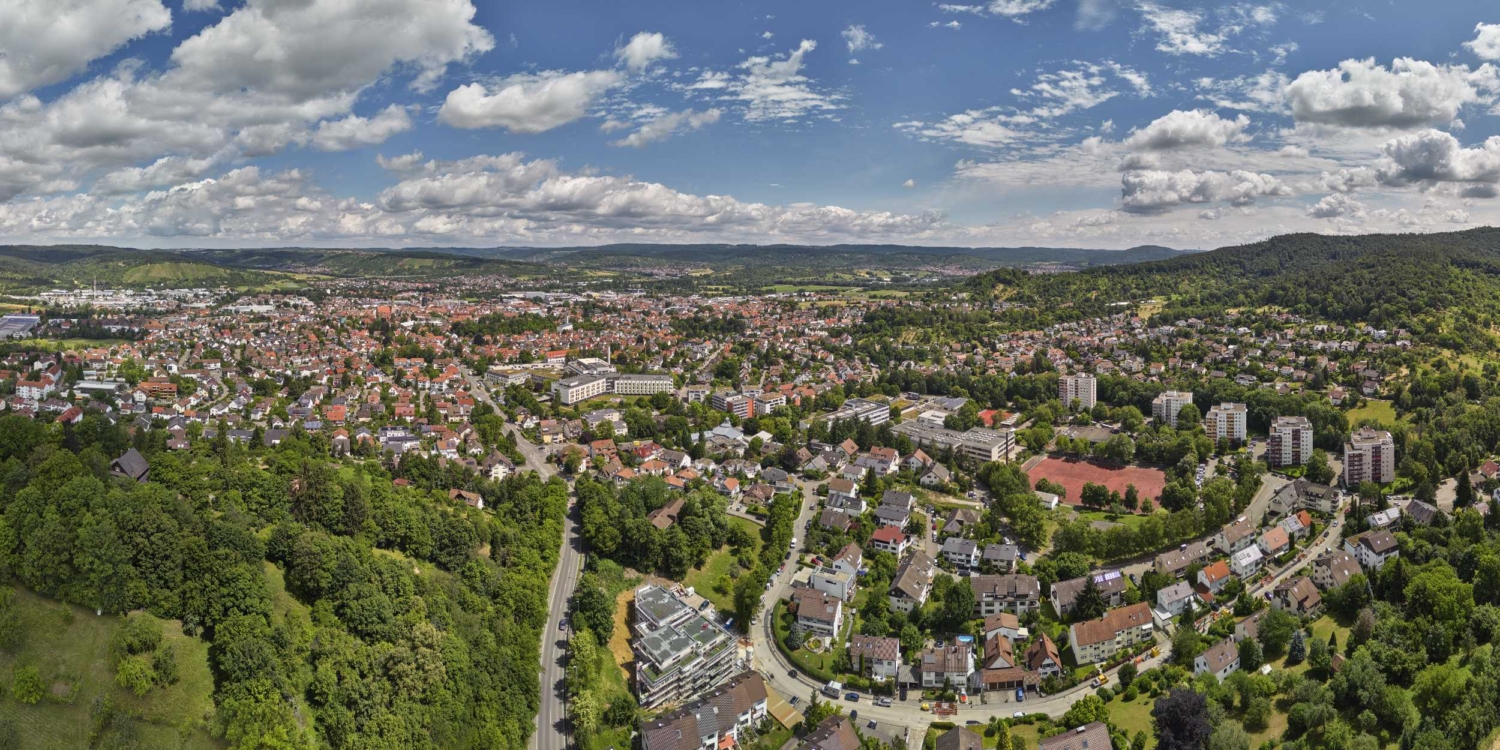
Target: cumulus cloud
(1015, 10)
(49, 41)
(909, 183)
(774, 88)
(1147, 191)
(528, 102)
(354, 131)
(1178, 31)
(1486, 42)
(1336, 206)
(1432, 156)
(1264, 92)
(1408, 94)
(661, 128)
(166, 171)
(1181, 129)
(858, 39)
(643, 49)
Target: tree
(1258, 714)
(1181, 721)
(1250, 655)
(1127, 674)
(1465, 492)
(135, 675)
(1090, 604)
(1297, 651)
(1275, 632)
(1229, 735)
(1186, 645)
(1318, 470)
(958, 606)
(1319, 657)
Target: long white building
(1226, 421)
(1370, 455)
(1164, 407)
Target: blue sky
(449, 122)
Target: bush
(164, 664)
(135, 675)
(142, 633)
(1105, 694)
(1130, 693)
(27, 685)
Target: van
(833, 690)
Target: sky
(1077, 123)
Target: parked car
(1020, 695)
(794, 700)
(792, 673)
(853, 697)
(883, 702)
(871, 725)
(972, 722)
(854, 716)
(1018, 715)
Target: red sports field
(1073, 474)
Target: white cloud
(1148, 191)
(974, 128)
(528, 102)
(955, 25)
(48, 41)
(661, 128)
(1138, 80)
(1432, 156)
(1265, 92)
(643, 49)
(1016, 10)
(1411, 93)
(199, 5)
(910, 183)
(1179, 32)
(1281, 51)
(858, 39)
(166, 171)
(774, 88)
(1180, 129)
(1486, 43)
(354, 131)
(1094, 15)
(1336, 206)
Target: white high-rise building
(1164, 407)
(1291, 442)
(1079, 389)
(1226, 421)
(1370, 455)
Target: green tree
(1250, 655)
(26, 686)
(1089, 604)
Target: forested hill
(1381, 279)
(803, 255)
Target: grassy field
(718, 566)
(1131, 520)
(58, 345)
(1382, 411)
(794, 288)
(70, 645)
(173, 271)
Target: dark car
(871, 725)
(792, 673)
(793, 700)
(854, 715)
(972, 722)
(851, 697)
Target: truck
(834, 689)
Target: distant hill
(1382, 279)
(800, 255)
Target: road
(551, 719)
(901, 715)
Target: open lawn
(59, 345)
(719, 565)
(1381, 411)
(1072, 474)
(1133, 520)
(70, 646)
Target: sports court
(1074, 473)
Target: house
(1275, 542)
(1111, 585)
(1372, 548)
(663, 517)
(959, 738)
(838, 520)
(1042, 657)
(959, 521)
(1297, 525)
(1422, 513)
(1093, 736)
(963, 553)
(1000, 557)
(132, 465)
(912, 584)
(1299, 596)
(1012, 592)
(949, 664)
(876, 657)
(818, 611)
(1002, 624)
(713, 721)
(1246, 562)
(833, 582)
(1221, 659)
(842, 490)
(1236, 536)
(1175, 563)
(999, 653)
(889, 539)
(1334, 568)
(893, 516)
(1175, 598)
(1248, 627)
(1099, 640)
(936, 475)
(834, 733)
(848, 560)
(1213, 577)
(1304, 495)
(471, 499)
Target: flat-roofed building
(579, 388)
(1166, 405)
(712, 721)
(1078, 389)
(1226, 421)
(1291, 441)
(1369, 456)
(680, 651)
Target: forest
(417, 621)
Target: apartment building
(877, 657)
(680, 652)
(861, 410)
(641, 384)
(1226, 421)
(1369, 456)
(1098, 640)
(1165, 406)
(1291, 441)
(1372, 548)
(713, 721)
(1016, 593)
(913, 582)
(740, 405)
(1111, 585)
(1078, 389)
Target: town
(786, 526)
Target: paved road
(551, 720)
